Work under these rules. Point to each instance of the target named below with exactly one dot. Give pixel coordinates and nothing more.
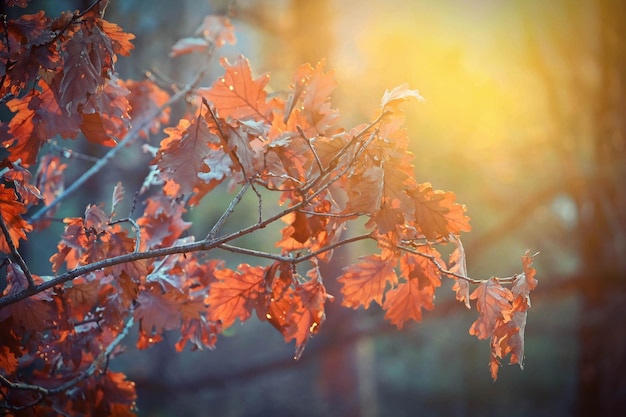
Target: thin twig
(231, 207)
(16, 255)
(308, 142)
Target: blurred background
(524, 119)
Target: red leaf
(105, 115)
(159, 310)
(11, 211)
(199, 332)
(237, 95)
(82, 72)
(235, 294)
(21, 178)
(366, 281)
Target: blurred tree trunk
(602, 228)
(582, 66)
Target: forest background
(522, 118)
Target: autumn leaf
(235, 294)
(34, 313)
(8, 361)
(366, 281)
(144, 98)
(105, 114)
(162, 222)
(236, 95)
(38, 118)
(21, 179)
(49, 177)
(508, 336)
(406, 302)
(493, 302)
(181, 155)
(422, 268)
(458, 266)
(436, 213)
(158, 309)
(120, 41)
(11, 211)
(217, 29)
(399, 94)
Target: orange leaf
(35, 313)
(237, 95)
(235, 294)
(436, 213)
(493, 302)
(366, 281)
(145, 98)
(11, 210)
(406, 301)
(181, 155)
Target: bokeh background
(524, 119)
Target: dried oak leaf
(436, 213)
(366, 281)
(38, 118)
(493, 302)
(35, 313)
(458, 266)
(399, 94)
(145, 99)
(181, 155)
(237, 95)
(11, 211)
(235, 294)
(407, 300)
(162, 222)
